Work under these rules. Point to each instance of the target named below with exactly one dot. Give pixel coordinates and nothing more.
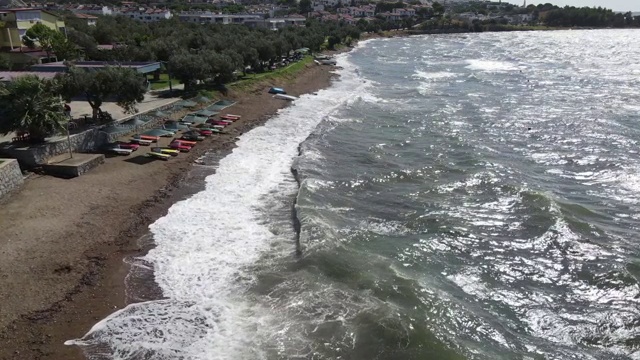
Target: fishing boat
(146, 137)
(130, 145)
(192, 136)
(218, 123)
(185, 142)
(142, 142)
(285, 97)
(159, 156)
(171, 152)
(180, 147)
(208, 127)
(275, 90)
(119, 151)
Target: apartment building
(18, 21)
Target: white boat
(328, 62)
(285, 97)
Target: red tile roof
(85, 16)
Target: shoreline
(63, 270)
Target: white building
(144, 14)
(92, 10)
(90, 19)
(328, 3)
(213, 18)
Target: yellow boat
(171, 152)
(158, 155)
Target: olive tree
(33, 105)
(124, 85)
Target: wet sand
(62, 242)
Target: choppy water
(461, 197)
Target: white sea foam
(433, 75)
(205, 243)
(430, 79)
(491, 66)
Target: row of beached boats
(192, 128)
(325, 60)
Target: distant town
(17, 17)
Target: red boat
(178, 146)
(217, 122)
(204, 132)
(230, 117)
(185, 142)
(130, 146)
(146, 137)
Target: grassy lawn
(162, 83)
(287, 72)
(248, 82)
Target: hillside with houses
(74, 20)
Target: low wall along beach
(10, 176)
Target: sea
(467, 196)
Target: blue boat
(275, 90)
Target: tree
(332, 41)
(438, 8)
(124, 85)
(43, 36)
(189, 68)
(30, 104)
(4, 63)
(304, 6)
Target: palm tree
(32, 105)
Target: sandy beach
(63, 242)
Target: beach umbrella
(160, 114)
(205, 113)
(113, 129)
(186, 103)
(219, 105)
(134, 123)
(174, 125)
(191, 119)
(158, 132)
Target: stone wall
(76, 169)
(10, 176)
(38, 154)
(87, 141)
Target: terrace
(141, 67)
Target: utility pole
(69, 118)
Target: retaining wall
(86, 141)
(10, 176)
